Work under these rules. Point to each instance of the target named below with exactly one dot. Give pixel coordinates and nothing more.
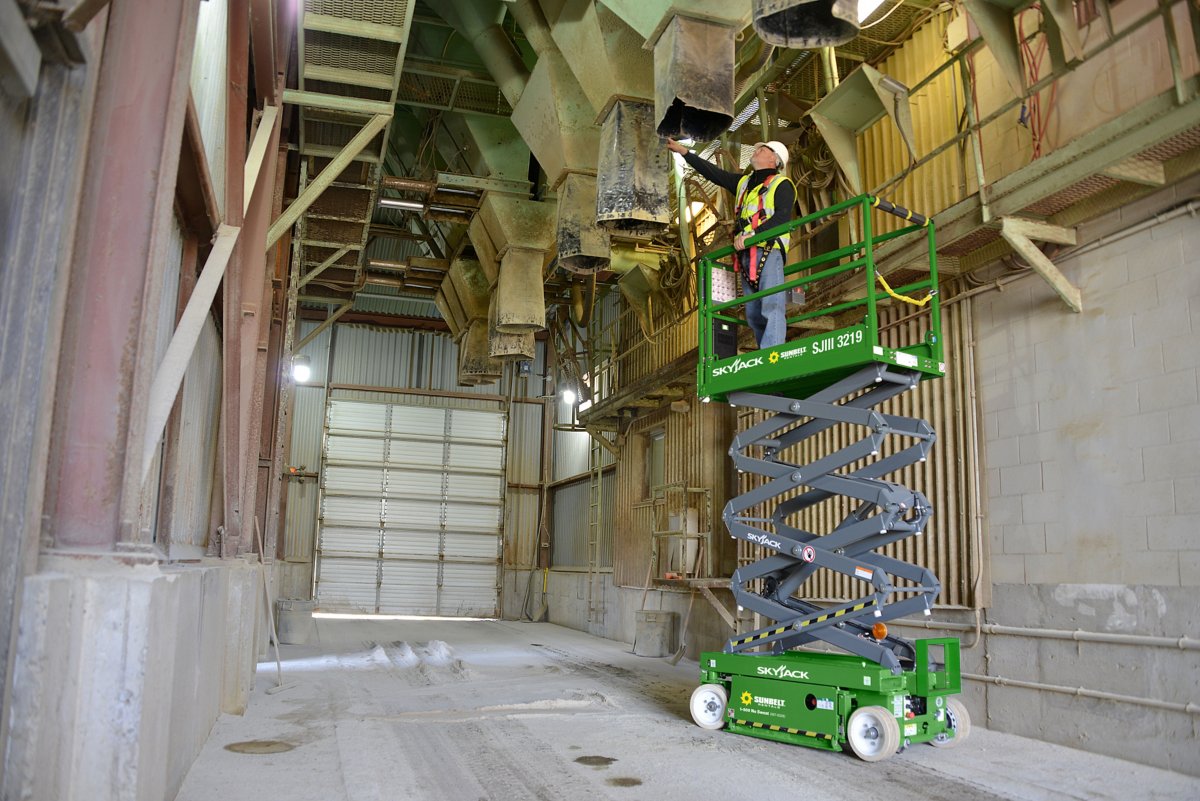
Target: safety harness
(752, 260)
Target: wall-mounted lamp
(301, 369)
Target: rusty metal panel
(210, 85)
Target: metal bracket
(858, 102)
(1020, 233)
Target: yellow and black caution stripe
(838, 613)
(899, 211)
(785, 729)
(761, 635)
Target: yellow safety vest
(754, 206)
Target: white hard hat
(778, 148)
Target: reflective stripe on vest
(752, 203)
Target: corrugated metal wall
(171, 265)
(196, 456)
(572, 449)
(695, 446)
(571, 505)
(210, 86)
(308, 425)
(936, 108)
(524, 473)
(952, 545)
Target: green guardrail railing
(800, 367)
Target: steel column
(124, 223)
(254, 320)
(238, 45)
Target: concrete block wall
(121, 671)
(1092, 437)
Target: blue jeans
(768, 316)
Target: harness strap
(758, 253)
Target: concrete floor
(501, 710)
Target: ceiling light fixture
(866, 8)
(407, 205)
(301, 369)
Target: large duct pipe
(520, 304)
(508, 347)
(533, 24)
(634, 169)
(479, 22)
(583, 246)
(475, 366)
(693, 79)
(806, 24)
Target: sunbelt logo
(781, 672)
(763, 539)
(737, 366)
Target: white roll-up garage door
(411, 510)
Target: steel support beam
(1020, 233)
(254, 319)
(327, 176)
(336, 102)
(263, 32)
(237, 43)
(325, 265)
(483, 184)
(124, 225)
(328, 321)
(255, 159)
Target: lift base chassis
(806, 698)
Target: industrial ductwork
(633, 182)
(806, 24)
(479, 22)
(693, 78)
(583, 246)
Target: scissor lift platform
(802, 366)
(888, 692)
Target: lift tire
(708, 705)
(959, 722)
(873, 733)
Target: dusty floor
(500, 710)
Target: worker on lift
(765, 199)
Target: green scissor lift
(886, 692)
